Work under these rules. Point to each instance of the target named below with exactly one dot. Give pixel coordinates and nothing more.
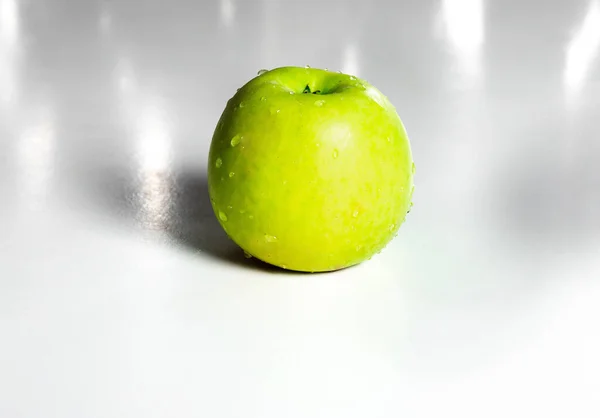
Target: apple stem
(307, 90)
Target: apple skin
(310, 182)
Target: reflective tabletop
(121, 296)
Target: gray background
(120, 296)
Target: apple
(310, 170)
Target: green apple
(310, 170)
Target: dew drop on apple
(231, 174)
(414, 168)
(307, 66)
(392, 226)
(355, 214)
(263, 99)
(336, 153)
(242, 104)
(218, 163)
(319, 103)
(261, 72)
(247, 255)
(222, 216)
(235, 141)
(270, 238)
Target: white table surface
(121, 297)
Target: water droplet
(340, 72)
(242, 211)
(318, 144)
(229, 207)
(336, 153)
(270, 238)
(326, 69)
(389, 139)
(319, 103)
(291, 92)
(242, 104)
(355, 214)
(218, 163)
(261, 72)
(358, 247)
(235, 140)
(263, 99)
(247, 255)
(250, 216)
(231, 174)
(283, 266)
(222, 216)
(307, 66)
(352, 78)
(274, 111)
(414, 168)
(237, 89)
(392, 226)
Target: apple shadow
(166, 204)
(173, 204)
